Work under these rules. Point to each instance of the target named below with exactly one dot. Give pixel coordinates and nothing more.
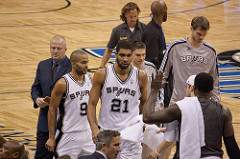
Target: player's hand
(47, 99)
(158, 81)
(41, 103)
(153, 155)
(50, 144)
(94, 134)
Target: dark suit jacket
(44, 83)
(95, 155)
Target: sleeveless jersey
(119, 100)
(72, 115)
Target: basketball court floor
(26, 27)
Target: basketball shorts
(130, 150)
(75, 144)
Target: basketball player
(152, 133)
(120, 86)
(190, 56)
(70, 98)
(187, 57)
(203, 121)
(161, 148)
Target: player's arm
(56, 96)
(167, 115)
(95, 92)
(167, 62)
(106, 57)
(228, 136)
(110, 46)
(215, 74)
(143, 88)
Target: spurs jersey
(119, 100)
(72, 114)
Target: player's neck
(139, 66)
(122, 71)
(193, 42)
(78, 78)
(202, 95)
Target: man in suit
(107, 145)
(48, 71)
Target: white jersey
(119, 100)
(72, 114)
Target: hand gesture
(157, 81)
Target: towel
(192, 133)
(134, 131)
(152, 136)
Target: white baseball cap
(190, 80)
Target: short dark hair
(204, 82)
(75, 54)
(128, 7)
(124, 44)
(200, 22)
(105, 137)
(138, 45)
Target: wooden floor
(26, 27)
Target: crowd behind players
(159, 57)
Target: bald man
(153, 35)
(13, 150)
(48, 71)
(70, 98)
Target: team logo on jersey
(229, 72)
(194, 59)
(79, 94)
(120, 91)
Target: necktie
(54, 70)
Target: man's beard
(80, 72)
(123, 67)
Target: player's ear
(16, 155)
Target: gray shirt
(182, 60)
(151, 72)
(122, 32)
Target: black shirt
(154, 39)
(122, 32)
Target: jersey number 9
(83, 109)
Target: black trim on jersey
(210, 48)
(80, 84)
(60, 123)
(167, 53)
(67, 87)
(149, 64)
(129, 75)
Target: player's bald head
(58, 39)
(159, 10)
(76, 55)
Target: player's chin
(124, 66)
